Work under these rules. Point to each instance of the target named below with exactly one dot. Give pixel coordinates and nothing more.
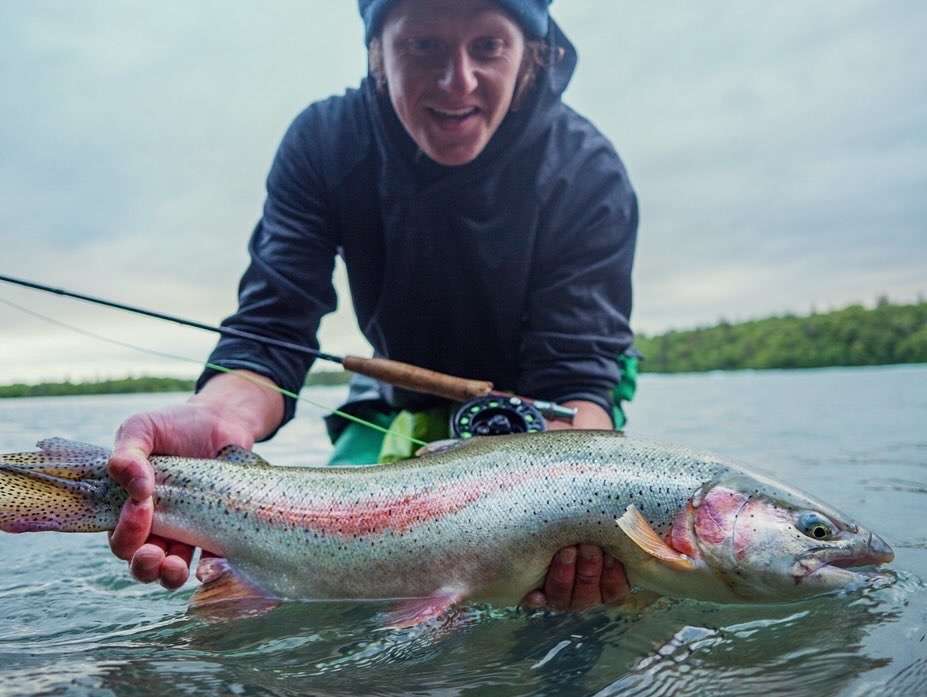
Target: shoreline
(155, 385)
(136, 385)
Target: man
(487, 229)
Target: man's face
(451, 68)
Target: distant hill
(140, 384)
(853, 336)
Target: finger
(146, 563)
(132, 471)
(175, 569)
(132, 529)
(534, 599)
(586, 590)
(615, 586)
(128, 465)
(558, 586)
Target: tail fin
(64, 486)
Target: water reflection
(816, 650)
(673, 648)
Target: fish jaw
(831, 568)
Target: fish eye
(815, 526)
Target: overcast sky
(779, 151)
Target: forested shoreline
(887, 334)
(136, 384)
(853, 336)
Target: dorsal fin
(438, 446)
(635, 526)
(240, 456)
(63, 445)
(58, 457)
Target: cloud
(778, 151)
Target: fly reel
(496, 416)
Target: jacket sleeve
(578, 310)
(287, 287)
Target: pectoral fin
(414, 611)
(225, 594)
(636, 527)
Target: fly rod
(396, 373)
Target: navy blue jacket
(514, 268)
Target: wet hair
(538, 56)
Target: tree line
(853, 336)
(138, 384)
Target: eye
(815, 526)
(488, 47)
(423, 46)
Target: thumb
(128, 464)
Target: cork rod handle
(412, 377)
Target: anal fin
(225, 595)
(635, 526)
(415, 611)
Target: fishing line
(213, 366)
(396, 373)
(225, 331)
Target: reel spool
(495, 416)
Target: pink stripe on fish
(378, 516)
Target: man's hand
(228, 411)
(578, 578)
(191, 430)
(581, 576)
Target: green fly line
(222, 369)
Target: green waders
(361, 445)
(625, 389)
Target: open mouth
(453, 117)
(833, 577)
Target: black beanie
(530, 14)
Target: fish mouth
(835, 566)
(877, 551)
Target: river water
(73, 623)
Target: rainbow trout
(480, 520)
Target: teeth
(454, 112)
